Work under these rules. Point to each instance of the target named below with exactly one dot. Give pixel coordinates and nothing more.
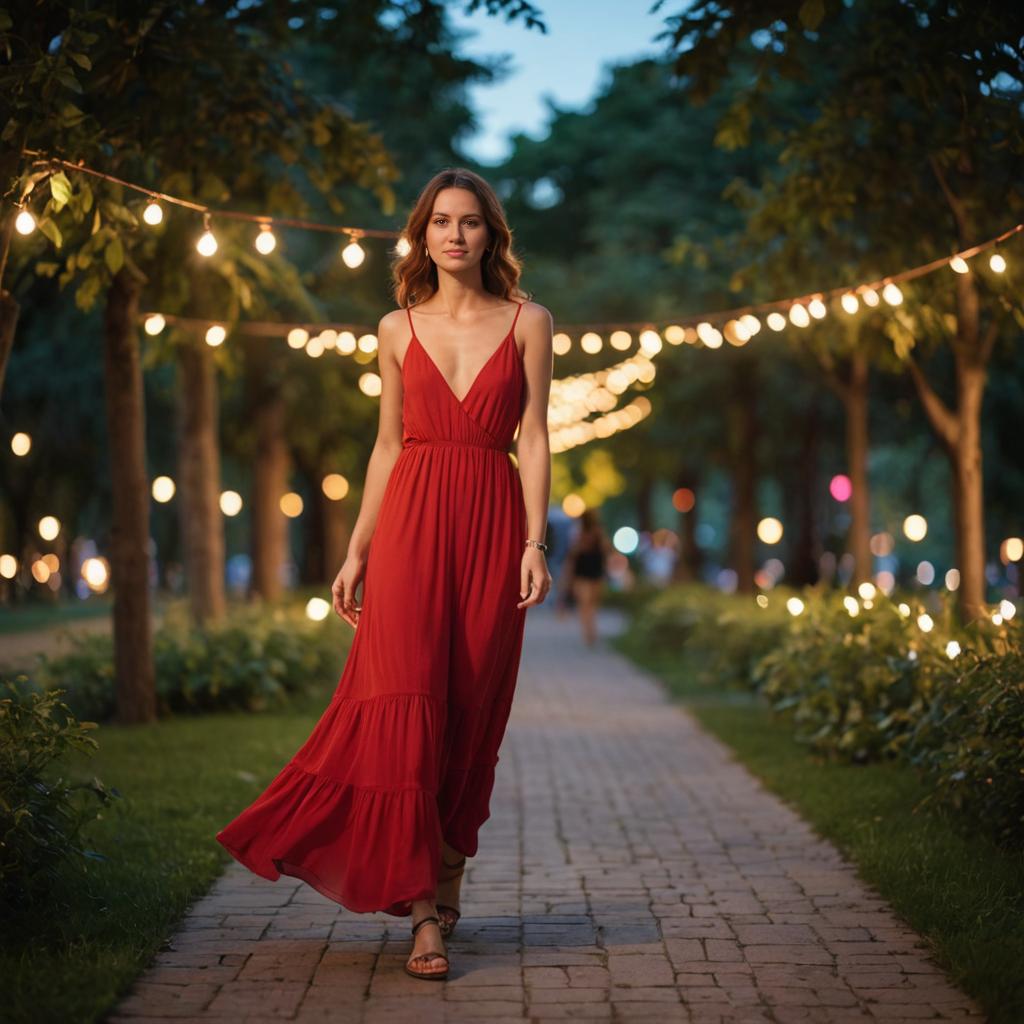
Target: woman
(584, 571)
(395, 780)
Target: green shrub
(41, 815)
(253, 660)
(724, 635)
(971, 740)
(854, 684)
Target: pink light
(840, 487)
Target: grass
(951, 884)
(42, 615)
(182, 779)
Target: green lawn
(949, 882)
(182, 780)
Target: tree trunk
(744, 475)
(855, 400)
(969, 490)
(337, 528)
(8, 324)
(201, 521)
(644, 491)
(688, 564)
(804, 552)
(270, 482)
(135, 687)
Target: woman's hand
(343, 589)
(534, 578)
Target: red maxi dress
(405, 752)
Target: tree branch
(942, 418)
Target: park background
(817, 527)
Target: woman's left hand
(534, 579)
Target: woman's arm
(386, 450)
(533, 448)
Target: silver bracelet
(538, 544)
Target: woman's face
(457, 233)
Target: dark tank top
(590, 561)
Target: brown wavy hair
(414, 276)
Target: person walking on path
(584, 570)
(381, 806)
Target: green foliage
(697, 618)
(971, 740)
(254, 661)
(41, 814)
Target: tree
(913, 149)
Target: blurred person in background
(584, 570)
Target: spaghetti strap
(516, 317)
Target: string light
(798, 315)
(25, 223)
(959, 264)
(816, 308)
(997, 262)
(207, 244)
(265, 241)
(850, 302)
(353, 254)
(892, 294)
(153, 213)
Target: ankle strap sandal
(450, 915)
(426, 975)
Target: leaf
(46, 269)
(81, 60)
(49, 228)
(114, 254)
(60, 189)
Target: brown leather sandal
(450, 915)
(427, 975)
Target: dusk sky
(567, 64)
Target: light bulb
(207, 245)
(25, 223)
(959, 264)
(799, 315)
(353, 254)
(776, 321)
(155, 324)
(892, 294)
(265, 240)
(153, 213)
(215, 335)
(816, 308)
(850, 303)
(997, 263)
(870, 297)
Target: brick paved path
(631, 871)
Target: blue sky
(567, 64)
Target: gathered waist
(451, 443)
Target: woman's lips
(455, 252)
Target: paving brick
(631, 870)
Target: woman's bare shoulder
(534, 313)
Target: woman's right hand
(343, 589)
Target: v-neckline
(487, 362)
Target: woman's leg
(586, 597)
